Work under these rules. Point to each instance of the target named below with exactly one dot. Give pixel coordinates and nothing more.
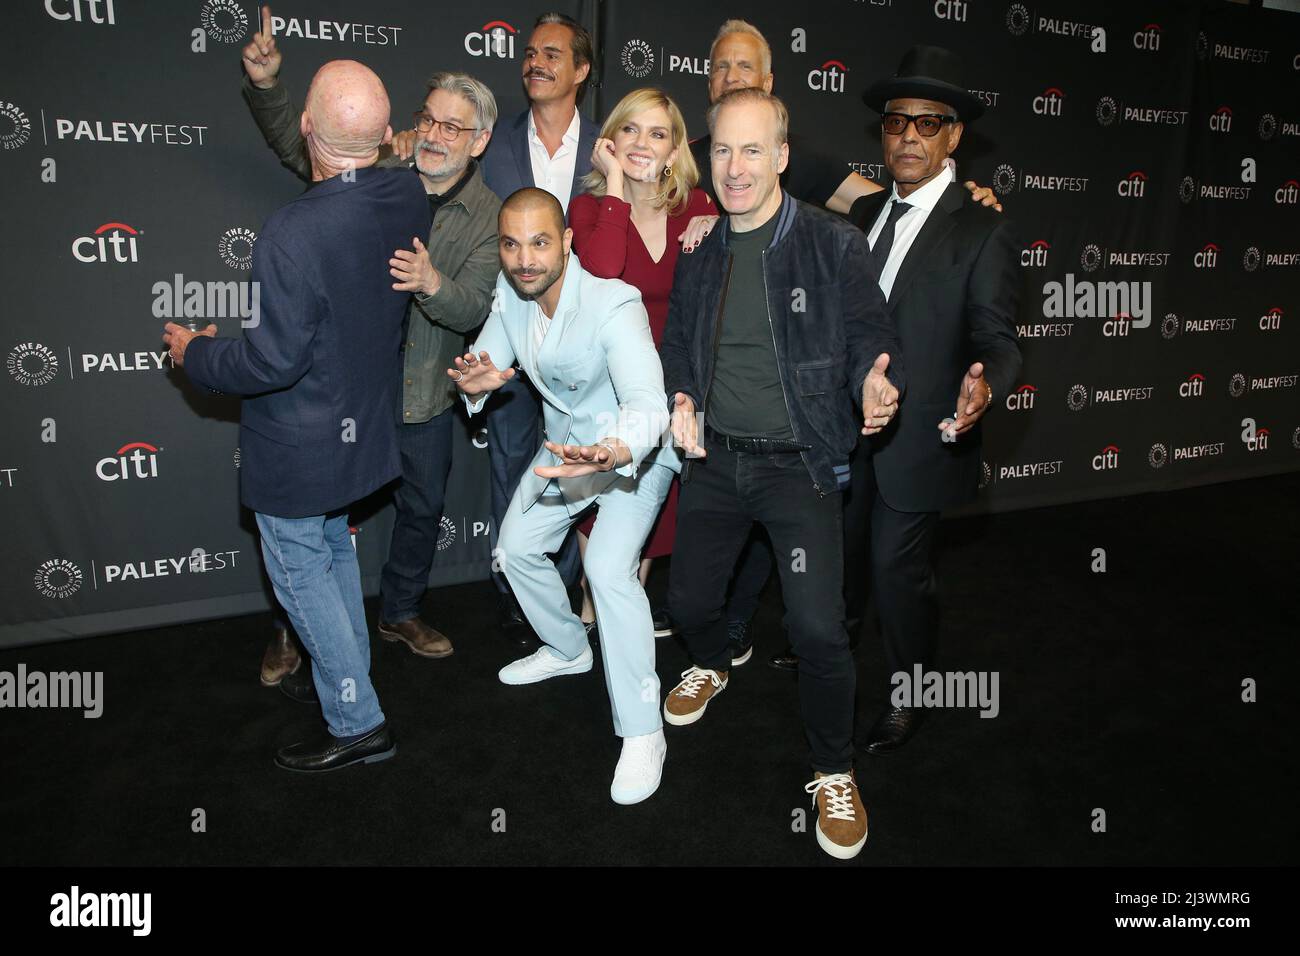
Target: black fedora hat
(928, 73)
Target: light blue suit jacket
(598, 373)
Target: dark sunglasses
(927, 124)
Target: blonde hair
(675, 188)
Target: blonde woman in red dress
(628, 224)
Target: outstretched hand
(579, 460)
(972, 402)
(475, 374)
(879, 397)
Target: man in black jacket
(774, 333)
(950, 272)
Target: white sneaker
(640, 768)
(542, 664)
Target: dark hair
(580, 45)
(533, 197)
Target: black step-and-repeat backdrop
(1148, 152)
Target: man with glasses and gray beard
(451, 278)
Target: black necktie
(885, 241)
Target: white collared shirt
(908, 227)
(554, 173)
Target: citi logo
(1022, 399)
(1133, 186)
(1207, 258)
(1253, 437)
(109, 236)
(828, 78)
(1106, 460)
(496, 38)
(1148, 38)
(72, 9)
(1221, 120)
(1049, 103)
(1119, 326)
(118, 467)
(951, 10)
(1271, 320)
(1288, 194)
(1194, 387)
(1035, 257)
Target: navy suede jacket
(829, 322)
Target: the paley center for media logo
(31, 363)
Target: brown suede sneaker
(281, 658)
(686, 702)
(841, 817)
(420, 637)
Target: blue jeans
(313, 568)
(426, 459)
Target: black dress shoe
(328, 752)
(299, 685)
(892, 729)
(784, 661)
(514, 625)
(787, 660)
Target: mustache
(431, 148)
(540, 73)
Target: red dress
(609, 246)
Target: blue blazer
(320, 368)
(598, 373)
(507, 164)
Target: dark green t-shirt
(746, 399)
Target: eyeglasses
(448, 131)
(927, 124)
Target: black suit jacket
(953, 303)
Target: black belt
(755, 446)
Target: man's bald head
(534, 244)
(530, 199)
(346, 115)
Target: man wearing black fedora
(949, 270)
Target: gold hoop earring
(668, 170)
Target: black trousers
(726, 494)
(756, 559)
(426, 461)
(901, 561)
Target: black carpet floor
(1119, 692)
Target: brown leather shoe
(281, 658)
(418, 636)
(841, 817)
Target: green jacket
(462, 246)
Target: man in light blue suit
(585, 343)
